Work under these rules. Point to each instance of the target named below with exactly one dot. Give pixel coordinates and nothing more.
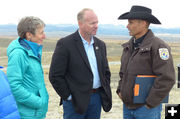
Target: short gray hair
(80, 15)
(29, 24)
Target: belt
(95, 90)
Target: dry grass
(114, 51)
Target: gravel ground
(56, 112)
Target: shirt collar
(139, 40)
(84, 41)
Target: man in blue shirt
(79, 71)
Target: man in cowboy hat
(144, 54)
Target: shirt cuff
(70, 97)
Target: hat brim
(140, 15)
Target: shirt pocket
(144, 50)
(144, 54)
(143, 61)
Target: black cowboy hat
(140, 12)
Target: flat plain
(114, 51)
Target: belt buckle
(94, 90)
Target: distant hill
(58, 30)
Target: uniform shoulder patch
(164, 53)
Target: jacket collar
(80, 47)
(28, 49)
(146, 42)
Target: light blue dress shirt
(92, 61)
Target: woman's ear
(28, 36)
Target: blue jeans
(142, 113)
(93, 111)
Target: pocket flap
(146, 49)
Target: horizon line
(152, 25)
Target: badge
(164, 53)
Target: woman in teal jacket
(24, 71)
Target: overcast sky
(65, 11)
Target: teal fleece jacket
(26, 79)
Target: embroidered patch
(164, 53)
